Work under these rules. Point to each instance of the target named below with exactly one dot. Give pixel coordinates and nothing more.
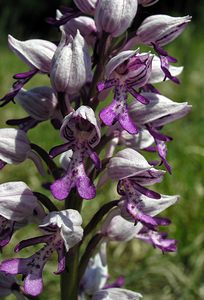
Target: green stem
(102, 50)
(69, 278)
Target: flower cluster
(96, 63)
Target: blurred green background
(147, 270)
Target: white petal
(127, 163)
(35, 52)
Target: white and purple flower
(82, 133)
(63, 231)
(125, 72)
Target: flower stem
(99, 71)
(69, 278)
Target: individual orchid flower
(63, 231)
(120, 226)
(157, 31)
(116, 293)
(15, 148)
(18, 206)
(37, 54)
(71, 64)
(127, 164)
(157, 113)
(125, 72)
(115, 16)
(82, 133)
(9, 285)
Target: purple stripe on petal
(85, 187)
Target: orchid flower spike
(82, 133)
(71, 64)
(15, 148)
(115, 16)
(18, 206)
(63, 231)
(125, 72)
